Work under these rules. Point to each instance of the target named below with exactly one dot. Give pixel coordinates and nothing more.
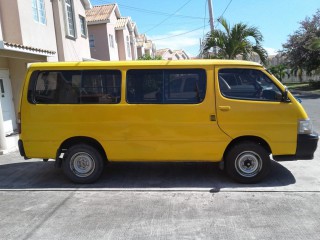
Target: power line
(168, 16)
(225, 10)
(171, 36)
(148, 11)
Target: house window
(39, 12)
(83, 26)
(128, 47)
(71, 27)
(91, 41)
(111, 42)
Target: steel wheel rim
(82, 164)
(248, 164)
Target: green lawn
(302, 87)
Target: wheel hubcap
(248, 164)
(82, 164)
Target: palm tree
(235, 41)
(280, 71)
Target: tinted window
(166, 86)
(248, 84)
(72, 87)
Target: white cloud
(271, 51)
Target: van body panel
(128, 131)
(159, 132)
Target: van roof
(195, 63)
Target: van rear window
(168, 86)
(75, 87)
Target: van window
(75, 87)
(248, 84)
(173, 86)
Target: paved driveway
(161, 201)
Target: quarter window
(75, 87)
(248, 84)
(170, 86)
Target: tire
(83, 164)
(247, 162)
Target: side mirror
(298, 99)
(285, 96)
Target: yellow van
(84, 114)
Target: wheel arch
(254, 139)
(81, 140)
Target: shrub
(314, 84)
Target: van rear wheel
(83, 164)
(247, 162)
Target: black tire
(83, 164)
(247, 162)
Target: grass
(302, 87)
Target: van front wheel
(247, 162)
(83, 164)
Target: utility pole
(211, 15)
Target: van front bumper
(306, 145)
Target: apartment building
(112, 37)
(168, 54)
(145, 46)
(33, 31)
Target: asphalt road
(161, 201)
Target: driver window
(248, 84)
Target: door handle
(224, 108)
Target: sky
(180, 24)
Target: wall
(113, 52)
(4, 63)
(36, 34)
(126, 34)
(121, 45)
(70, 49)
(101, 49)
(10, 21)
(140, 52)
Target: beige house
(145, 46)
(112, 37)
(168, 54)
(33, 31)
(101, 22)
(182, 55)
(124, 31)
(134, 36)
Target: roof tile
(99, 13)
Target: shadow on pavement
(142, 176)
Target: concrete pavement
(161, 201)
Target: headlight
(305, 127)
